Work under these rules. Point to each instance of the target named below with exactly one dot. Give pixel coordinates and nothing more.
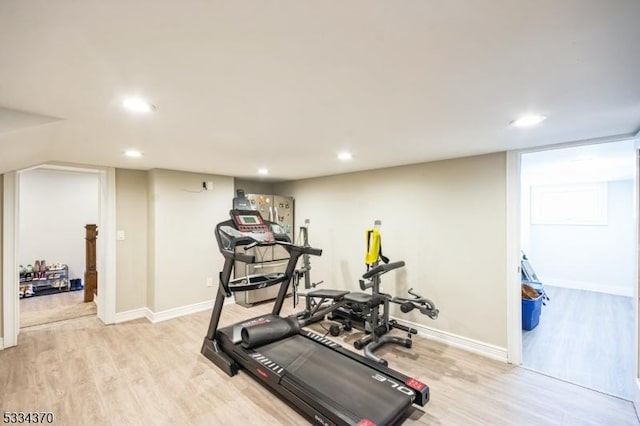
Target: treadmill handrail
(383, 268)
(254, 282)
(288, 246)
(229, 239)
(300, 249)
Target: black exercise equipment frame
(220, 348)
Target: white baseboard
(470, 345)
(131, 315)
(590, 286)
(168, 314)
(474, 346)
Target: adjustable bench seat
(328, 294)
(358, 297)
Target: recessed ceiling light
(263, 171)
(528, 120)
(133, 153)
(345, 156)
(136, 104)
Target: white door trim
(514, 309)
(106, 256)
(107, 247)
(636, 290)
(513, 194)
(10, 312)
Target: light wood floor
(137, 373)
(585, 338)
(54, 307)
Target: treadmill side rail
(212, 351)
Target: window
(576, 204)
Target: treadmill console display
(249, 221)
(247, 227)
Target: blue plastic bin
(531, 309)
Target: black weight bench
(358, 298)
(325, 294)
(329, 301)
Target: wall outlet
(209, 186)
(120, 235)
(209, 281)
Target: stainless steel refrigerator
(278, 209)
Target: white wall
(254, 187)
(590, 257)
(182, 249)
(446, 219)
(55, 206)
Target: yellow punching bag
(373, 246)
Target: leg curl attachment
(426, 306)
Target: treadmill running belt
(344, 381)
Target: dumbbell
(335, 329)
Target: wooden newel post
(90, 273)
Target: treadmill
(325, 382)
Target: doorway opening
(578, 236)
(106, 248)
(54, 207)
